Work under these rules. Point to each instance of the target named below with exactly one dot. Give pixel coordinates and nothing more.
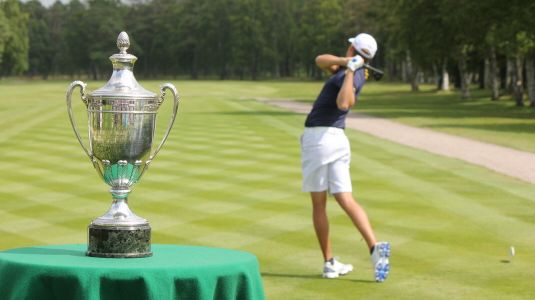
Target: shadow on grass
(506, 127)
(248, 113)
(433, 104)
(305, 100)
(300, 276)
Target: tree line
(491, 43)
(461, 42)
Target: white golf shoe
(333, 268)
(381, 265)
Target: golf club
(376, 73)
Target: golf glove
(355, 63)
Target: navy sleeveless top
(325, 112)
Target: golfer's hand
(355, 63)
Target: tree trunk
(480, 77)
(465, 79)
(409, 68)
(486, 75)
(287, 69)
(391, 69)
(404, 71)
(530, 79)
(438, 80)
(510, 75)
(494, 75)
(411, 72)
(254, 69)
(445, 84)
(223, 71)
(94, 72)
(415, 82)
(518, 85)
(194, 71)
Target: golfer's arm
(328, 61)
(346, 96)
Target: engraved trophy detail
(122, 122)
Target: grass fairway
(229, 176)
(497, 122)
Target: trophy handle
(82, 86)
(176, 98)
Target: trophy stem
(118, 194)
(119, 232)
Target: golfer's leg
(321, 223)
(358, 216)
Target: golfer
(325, 154)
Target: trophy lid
(122, 83)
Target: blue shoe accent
(382, 264)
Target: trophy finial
(122, 60)
(123, 42)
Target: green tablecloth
(173, 272)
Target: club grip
(376, 73)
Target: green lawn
(498, 122)
(229, 176)
(479, 118)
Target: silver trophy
(121, 121)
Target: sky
(48, 3)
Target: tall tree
(16, 46)
(320, 32)
(102, 22)
(259, 38)
(283, 32)
(219, 35)
(75, 55)
(4, 35)
(248, 38)
(530, 77)
(41, 45)
(463, 25)
(191, 47)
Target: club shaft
(372, 69)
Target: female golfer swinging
(325, 154)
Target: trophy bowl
(121, 122)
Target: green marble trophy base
(119, 241)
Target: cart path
(511, 162)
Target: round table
(173, 272)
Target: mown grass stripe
(28, 124)
(229, 176)
(445, 200)
(21, 115)
(453, 168)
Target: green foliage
(260, 38)
(432, 28)
(16, 46)
(40, 36)
(199, 38)
(102, 23)
(320, 31)
(4, 34)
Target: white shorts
(325, 156)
